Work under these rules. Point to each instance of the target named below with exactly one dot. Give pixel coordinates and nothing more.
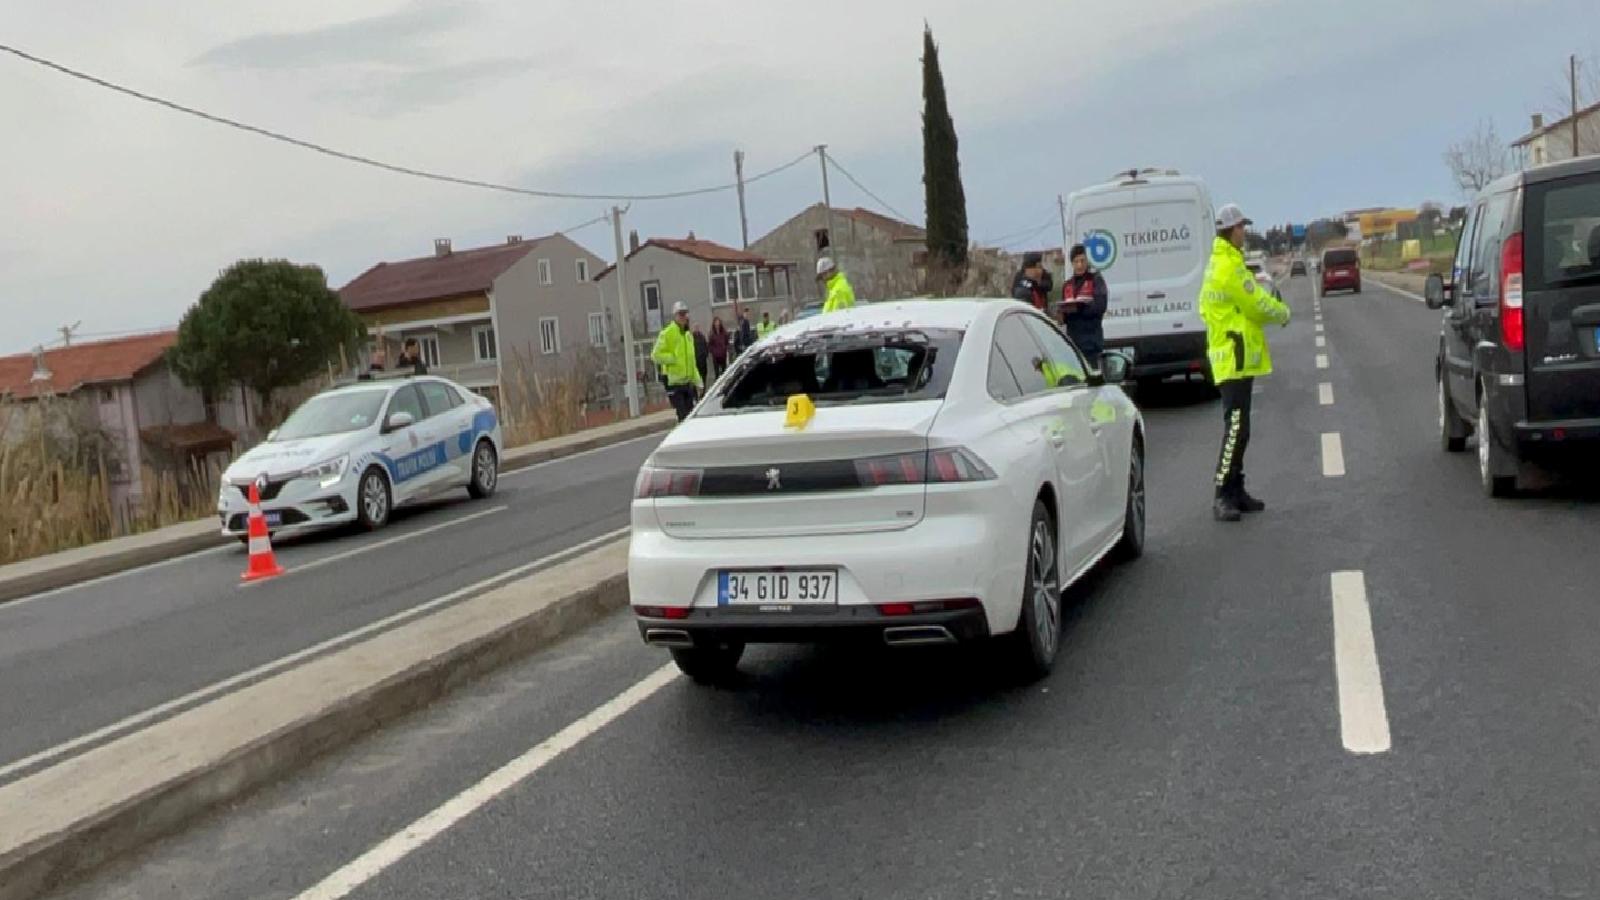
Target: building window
(583, 271)
(730, 283)
(429, 344)
(597, 329)
(549, 335)
(544, 272)
(107, 395)
(483, 343)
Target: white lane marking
(24, 601)
(1363, 717)
(1325, 394)
(397, 846)
(285, 662)
(514, 473)
(1322, 341)
(1332, 455)
(1404, 293)
(1319, 328)
(1322, 360)
(375, 545)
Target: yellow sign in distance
(799, 412)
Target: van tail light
(1511, 330)
(947, 465)
(653, 483)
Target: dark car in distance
(1519, 348)
(1341, 270)
(1298, 267)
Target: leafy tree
(946, 201)
(266, 325)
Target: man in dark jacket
(1033, 284)
(1083, 306)
(745, 337)
(702, 352)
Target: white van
(1149, 234)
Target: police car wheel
(373, 500)
(485, 471)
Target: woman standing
(1083, 306)
(718, 343)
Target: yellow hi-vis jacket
(840, 294)
(1234, 308)
(765, 327)
(674, 353)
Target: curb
(71, 572)
(48, 862)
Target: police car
(354, 453)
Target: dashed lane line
(376, 545)
(1363, 716)
(1322, 341)
(1322, 360)
(1325, 394)
(1332, 455)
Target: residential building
(491, 316)
(1553, 142)
(124, 390)
(711, 279)
(884, 257)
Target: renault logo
(773, 484)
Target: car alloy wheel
(374, 500)
(1489, 457)
(485, 471)
(1133, 522)
(1032, 646)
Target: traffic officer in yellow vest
(766, 326)
(837, 292)
(1235, 307)
(674, 354)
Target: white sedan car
(354, 453)
(916, 472)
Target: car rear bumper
(1162, 355)
(1344, 283)
(1555, 433)
(843, 623)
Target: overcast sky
(119, 214)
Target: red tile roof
(93, 362)
(696, 248)
(456, 274)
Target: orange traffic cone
(262, 563)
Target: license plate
(273, 518)
(777, 588)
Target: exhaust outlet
(668, 637)
(911, 635)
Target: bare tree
(1477, 159)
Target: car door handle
(1158, 295)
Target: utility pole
(66, 333)
(744, 223)
(1061, 206)
(827, 201)
(1572, 75)
(632, 375)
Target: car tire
(374, 500)
(1131, 545)
(1453, 429)
(1038, 634)
(1492, 458)
(709, 662)
(485, 471)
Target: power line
(379, 164)
(880, 201)
(1021, 233)
(1025, 238)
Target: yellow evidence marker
(799, 412)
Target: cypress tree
(946, 202)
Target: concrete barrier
(76, 815)
(80, 564)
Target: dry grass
(536, 406)
(55, 488)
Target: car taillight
(947, 465)
(927, 606)
(653, 483)
(1511, 292)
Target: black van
(1519, 349)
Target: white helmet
(825, 265)
(680, 307)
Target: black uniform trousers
(1235, 435)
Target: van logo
(773, 481)
(1101, 247)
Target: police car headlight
(327, 473)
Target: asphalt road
(78, 663)
(1223, 722)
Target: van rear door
(1561, 305)
(1171, 243)
(1100, 222)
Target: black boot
(1247, 503)
(1224, 508)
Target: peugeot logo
(773, 484)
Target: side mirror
(1436, 293)
(398, 421)
(1113, 369)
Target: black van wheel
(1493, 458)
